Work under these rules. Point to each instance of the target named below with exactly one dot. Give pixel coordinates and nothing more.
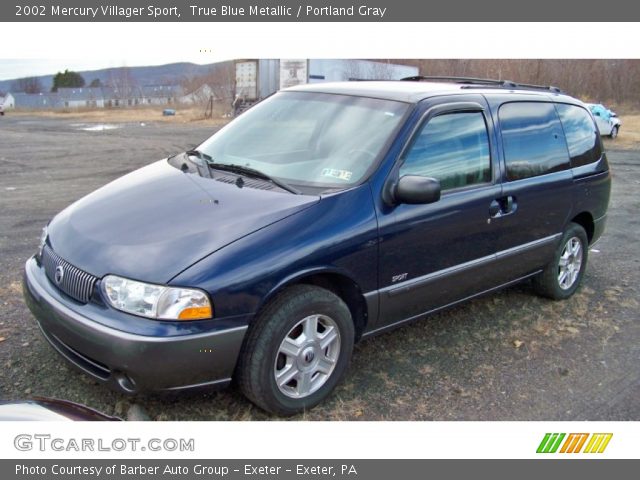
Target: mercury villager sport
(323, 215)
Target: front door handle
(503, 206)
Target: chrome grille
(75, 282)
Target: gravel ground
(506, 356)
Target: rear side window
(453, 148)
(532, 139)
(582, 137)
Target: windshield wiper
(252, 172)
(199, 154)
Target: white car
(608, 122)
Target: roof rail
(472, 82)
(439, 78)
(531, 86)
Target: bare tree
(381, 71)
(605, 80)
(195, 90)
(123, 84)
(191, 84)
(218, 82)
(27, 85)
(353, 69)
(222, 80)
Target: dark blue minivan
(325, 214)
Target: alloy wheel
(570, 263)
(307, 356)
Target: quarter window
(452, 148)
(580, 131)
(533, 139)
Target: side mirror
(414, 189)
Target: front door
(604, 124)
(432, 255)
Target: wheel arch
(585, 220)
(615, 128)
(336, 281)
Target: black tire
(614, 132)
(257, 363)
(547, 282)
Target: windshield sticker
(339, 174)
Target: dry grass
(137, 114)
(629, 136)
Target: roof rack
(472, 82)
(439, 78)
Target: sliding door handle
(502, 206)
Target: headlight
(43, 241)
(156, 301)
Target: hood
(153, 223)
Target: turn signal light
(195, 313)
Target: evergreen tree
(67, 79)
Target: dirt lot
(507, 356)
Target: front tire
(297, 350)
(614, 132)
(563, 275)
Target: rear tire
(297, 350)
(563, 275)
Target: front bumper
(126, 361)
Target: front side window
(533, 139)
(309, 139)
(452, 148)
(581, 134)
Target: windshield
(308, 139)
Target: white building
(8, 102)
(81, 97)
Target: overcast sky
(17, 68)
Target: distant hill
(171, 73)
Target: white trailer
(257, 79)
